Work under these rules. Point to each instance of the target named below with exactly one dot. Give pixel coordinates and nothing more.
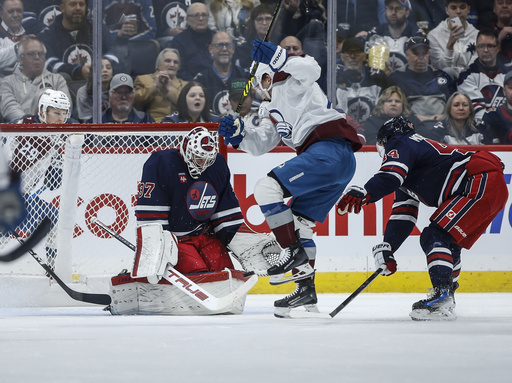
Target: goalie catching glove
(232, 130)
(384, 258)
(268, 53)
(352, 200)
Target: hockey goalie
(189, 220)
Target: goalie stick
(184, 284)
(39, 233)
(98, 299)
(332, 314)
(247, 88)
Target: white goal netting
(73, 175)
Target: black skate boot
(295, 257)
(437, 307)
(304, 295)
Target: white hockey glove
(284, 129)
(383, 256)
(156, 248)
(352, 200)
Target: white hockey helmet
(199, 150)
(258, 77)
(53, 98)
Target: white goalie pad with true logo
(255, 251)
(155, 249)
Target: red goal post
(76, 172)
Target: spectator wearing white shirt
(453, 41)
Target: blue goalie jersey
(168, 195)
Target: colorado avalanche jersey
(186, 206)
(418, 170)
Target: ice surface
(371, 340)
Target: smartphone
(456, 21)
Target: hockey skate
(304, 295)
(437, 307)
(294, 257)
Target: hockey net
(74, 174)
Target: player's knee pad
(433, 236)
(268, 191)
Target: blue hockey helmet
(393, 127)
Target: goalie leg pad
(155, 249)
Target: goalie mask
(199, 150)
(392, 127)
(55, 99)
(262, 73)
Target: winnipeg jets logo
(78, 54)
(221, 103)
(47, 16)
(202, 200)
(174, 15)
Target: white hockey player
(38, 160)
(298, 113)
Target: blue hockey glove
(352, 200)
(231, 129)
(12, 208)
(384, 258)
(268, 53)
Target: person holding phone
(452, 42)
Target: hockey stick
(98, 299)
(184, 284)
(332, 314)
(247, 88)
(38, 234)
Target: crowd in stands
(447, 63)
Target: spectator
(192, 103)
(257, 27)
(292, 45)
(499, 121)
(357, 16)
(249, 115)
(483, 80)
(427, 14)
(426, 89)
(129, 20)
(84, 94)
(452, 45)
(229, 16)
(501, 24)
(121, 98)
(396, 31)
(358, 90)
(12, 30)
(157, 93)
(216, 78)
(69, 41)
(303, 18)
(20, 91)
(392, 103)
(457, 125)
(193, 42)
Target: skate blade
(437, 315)
(304, 271)
(311, 312)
